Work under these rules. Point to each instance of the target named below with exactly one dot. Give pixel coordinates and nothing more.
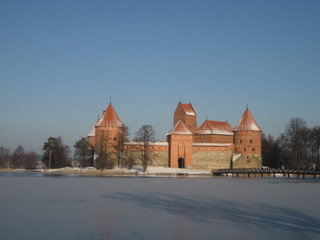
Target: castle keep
(212, 145)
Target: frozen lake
(35, 206)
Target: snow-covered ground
(151, 170)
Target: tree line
(111, 152)
(19, 159)
(298, 147)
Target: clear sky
(62, 60)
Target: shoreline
(135, 171)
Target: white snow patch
(92, 133)
(215, 131)
(151, 143)
(212, 144)
(167, 170)
(136, 169)
(190, 113)
(235, 157)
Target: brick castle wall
(247, 142)
(212, 138)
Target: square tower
(186, 114)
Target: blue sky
(61, 61)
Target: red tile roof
(247, 123)
(215, 127)
(188, 109)
(180, 129)
(110, 118)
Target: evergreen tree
(82, 149)
(55, 153)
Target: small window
(240, 141)
(115, 139)
(244, 149)
(251, 141)
(253, 149)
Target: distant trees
(296, 135)
(4, 157)
(30, 160)
(55, 153)
(17, 157)
(145, 135)
(298, 147)
(315, 145)
(271, 152)
(82, 149)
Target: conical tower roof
(109, 118)
(179, 129)
(247, 123)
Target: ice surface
(37, 206)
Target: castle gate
(181, 162)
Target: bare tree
(17, 158)
(4, 157)
(122, 138)
(296, 136)
(315, 145)
(106, 157)
(145, 135)
(31, 160)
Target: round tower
(247, 142)
(106, 130)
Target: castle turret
(186, 114)
(247, 140)
(180, 146)
(106, 130)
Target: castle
(212, 145)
